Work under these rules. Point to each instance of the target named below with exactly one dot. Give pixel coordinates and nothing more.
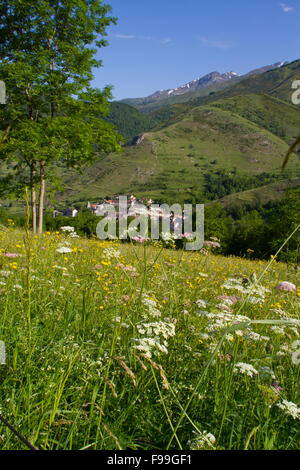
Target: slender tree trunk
(4, 137)
(33, 196)
(41, 196)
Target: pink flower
(187, 235)
(287, 286)
(140, 239)
(231, 299)
(225, 307)
(277, 386)
(212, 244)
(11, 255)
(98, 266)
(126, 268)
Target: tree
(47, 53)
(284, 218)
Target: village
(126, 206)
(114, 201)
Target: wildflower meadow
(139, 347)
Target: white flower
(5, 273)
(229, 337)
(166, 236)
(67, 228)
(255, 300)
(203, 440)
(290, 408)
(239, 332)
(256, 337)
(64, 249)
(110, 253)
(204, 336)
(157, 334)
(243, 368)
(279, 330)
(152, 306)
(201, 303)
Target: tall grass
(75, 325)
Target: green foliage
(218, 223)
(221, 183)
(129, 121)
(283, 218)
(264, 230)
(46, 61)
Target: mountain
(228, 145)
(276, 83)
(247, 97)
(207, 80)
(265, 69)
(210, 83)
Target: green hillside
(259, 196)
(129, 121)
(274, 115)
(171, 164)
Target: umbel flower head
(290, 408)
(64, 249)
(288, 286)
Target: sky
(162, 44)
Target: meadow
(128, 346)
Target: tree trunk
(33, 196)
(41, 196)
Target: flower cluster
(203, 440)
(290, 408)
(256, 293)
(154, 335)
(110, 253)
(243, 368)
(151, 306)
(70, 231)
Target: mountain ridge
(207, 81)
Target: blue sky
(161, 44)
